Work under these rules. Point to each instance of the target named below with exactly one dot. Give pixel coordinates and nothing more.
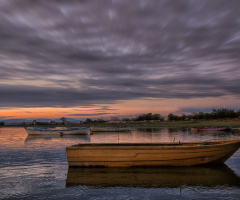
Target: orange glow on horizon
(121, 108)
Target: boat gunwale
(209, 144)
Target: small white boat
(58, 131)
(109, 129)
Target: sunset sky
(97, 59)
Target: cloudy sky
(106, 58)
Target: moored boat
(150, 154)
(217, 128)
(58, 131)
(109, 129)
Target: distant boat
(217, 128)
(109, 129)
(58, 131)
(150, 154)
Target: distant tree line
(88, 120)
(215, 114)
(148, 117)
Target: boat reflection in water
(163, 177)
(46, 138)
(109, 137)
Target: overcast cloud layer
(79, 53)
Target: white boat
(109, 129)
(58, 131)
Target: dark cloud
(87, 115)
(104, 108)
(195, 110)
(80, 53)
(204, 110)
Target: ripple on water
(36, 168)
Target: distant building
(115, 120)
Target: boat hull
(83, 131)
(150, 154)
(225, 128)
(109, 129)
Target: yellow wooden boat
(150, 154)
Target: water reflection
(111, 137)
(150, 130)
(49, 138)
(177, 130)
(137, 135)
(166, 177)
(35, 167)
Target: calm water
(36, 168)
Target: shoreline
(235, 123)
